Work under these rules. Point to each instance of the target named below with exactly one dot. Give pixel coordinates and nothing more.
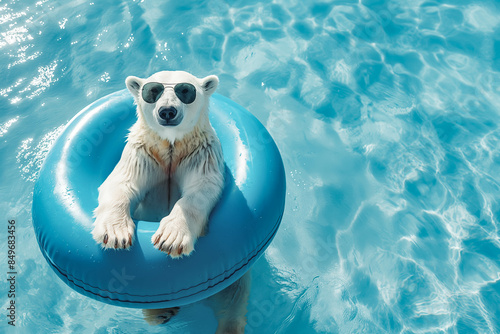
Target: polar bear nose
(167, 114)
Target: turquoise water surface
(387, 117)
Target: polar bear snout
(168, 116)
(167, 113)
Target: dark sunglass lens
(185, 92)
(152, 91)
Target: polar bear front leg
(179, 230)
(124, 188)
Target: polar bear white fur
(186, 156)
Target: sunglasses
(152, 91)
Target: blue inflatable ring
(241, 226)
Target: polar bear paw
(174, 236)
(113, 231)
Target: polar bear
(171, 169)
(171, 146)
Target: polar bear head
(172, 103)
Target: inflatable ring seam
(249, 259)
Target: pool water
(387, 117)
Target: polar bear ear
(209, 84)
(133, 85)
